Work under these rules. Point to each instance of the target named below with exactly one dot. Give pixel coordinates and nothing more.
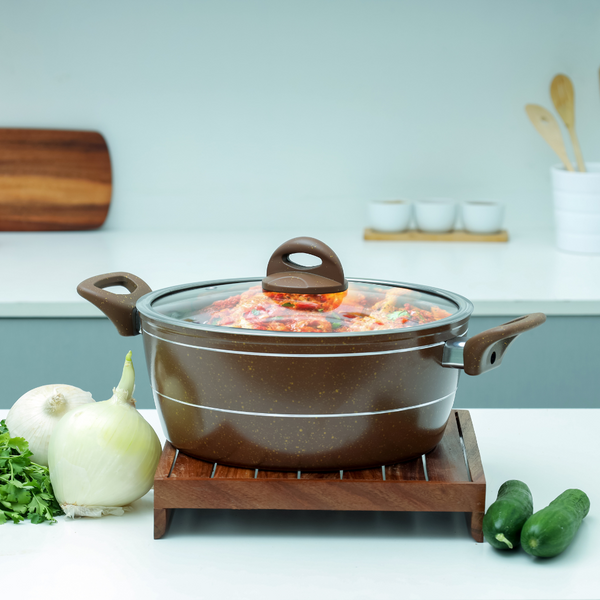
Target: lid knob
(286, 276)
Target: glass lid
(363, 306)
(301, 299)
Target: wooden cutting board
(53, 180)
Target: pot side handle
(484, 351)
(119, 308)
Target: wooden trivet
(414, 235)
(448, 479)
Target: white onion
(103, 456)
(35, 414)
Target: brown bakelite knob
(285, 276)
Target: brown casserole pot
(306, 384)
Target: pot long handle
(119, 308)
(484, 351)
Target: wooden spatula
(53, 180)
(563, 97)
(548, 128)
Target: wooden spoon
(548, 128)
(563, 97)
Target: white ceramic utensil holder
(577, 209)
(389, 216)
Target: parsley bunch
(25, 488)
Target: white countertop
(271, 555)
(39, 272)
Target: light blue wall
(246, 113)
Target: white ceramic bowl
(482, 216)
(389, 216)
(435, 215)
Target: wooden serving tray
(448, 479)
(414, 235)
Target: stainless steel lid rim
(306, 416)
(289, 355)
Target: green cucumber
(504, 519)
(550, 530)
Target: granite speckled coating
(305, 392)
(283, 401)
(289, 400)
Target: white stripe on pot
(415, 348)
(299, 416)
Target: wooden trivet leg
(475, 525)
(162, 520)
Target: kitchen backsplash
(240, 114)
